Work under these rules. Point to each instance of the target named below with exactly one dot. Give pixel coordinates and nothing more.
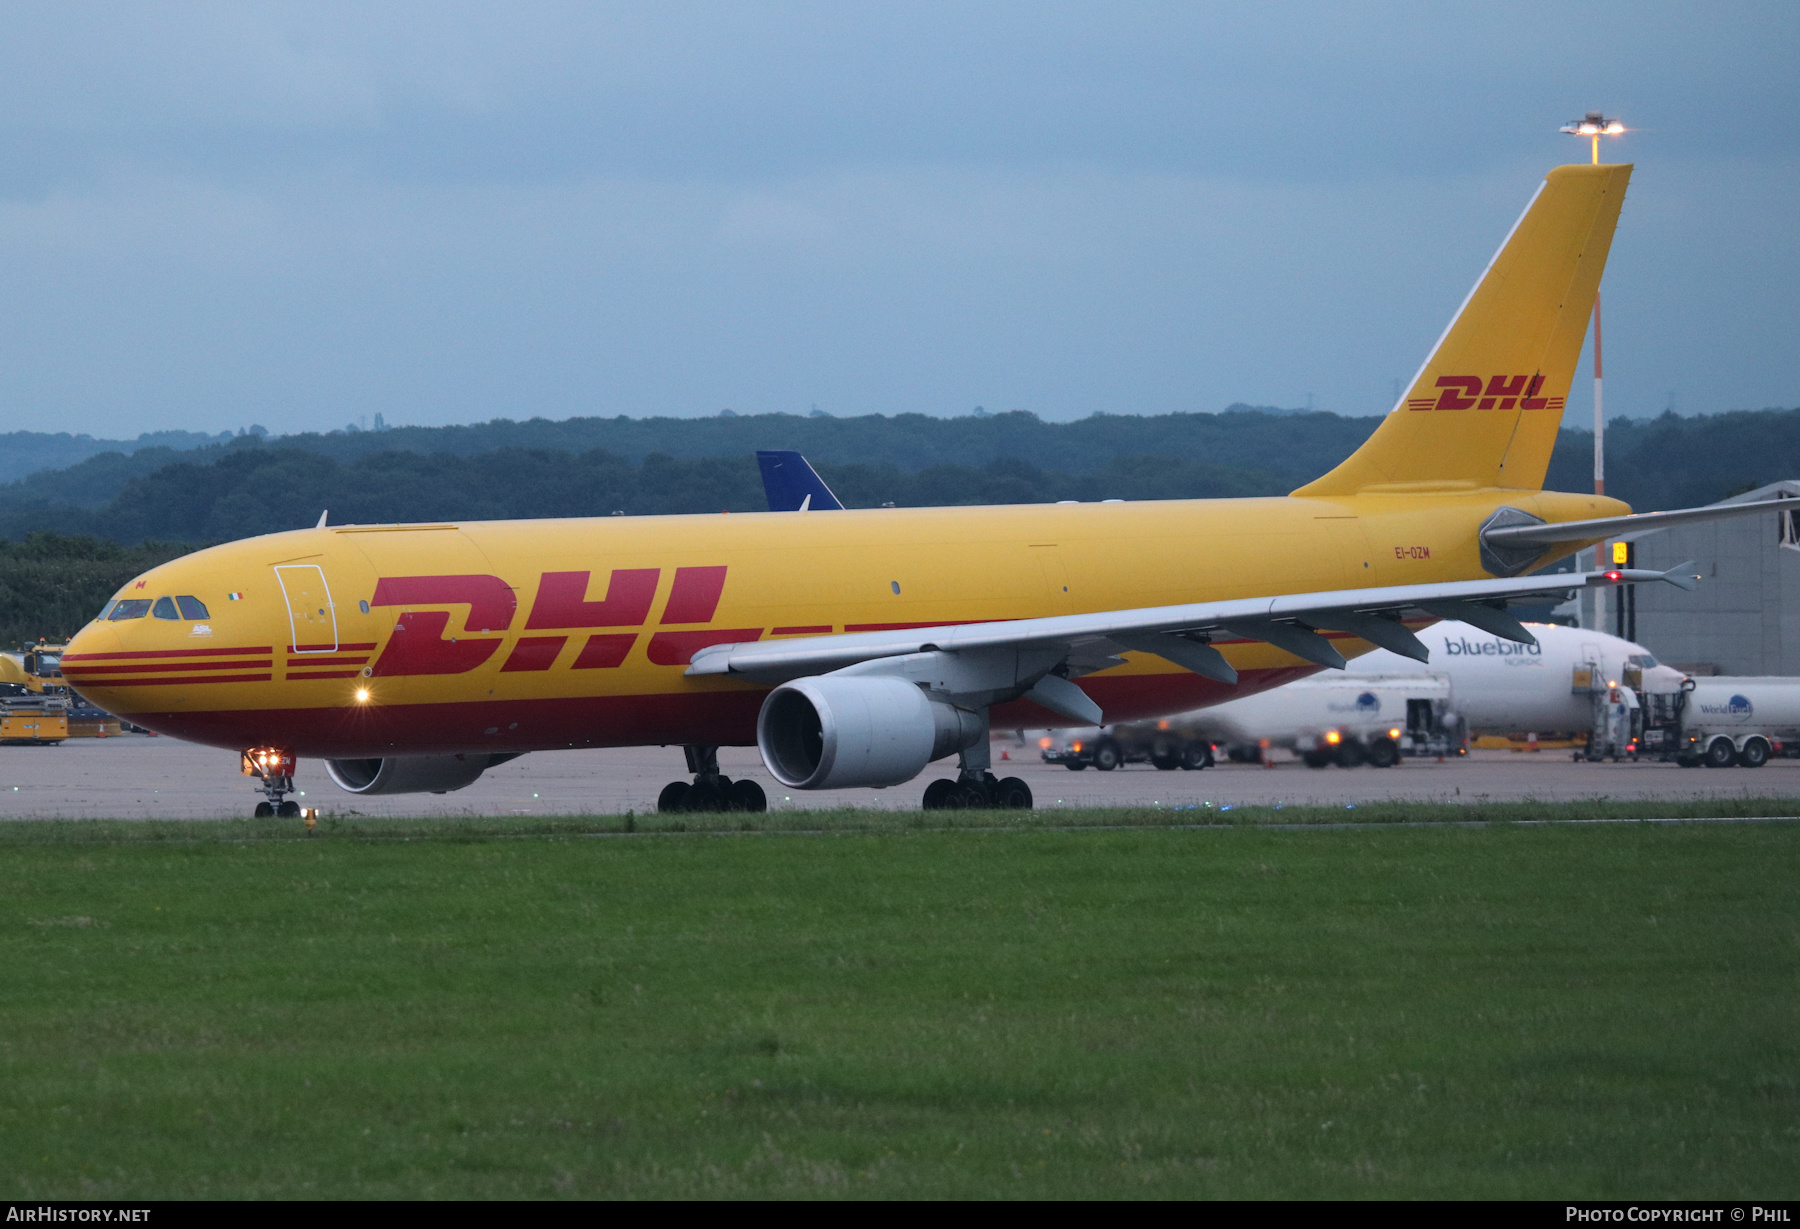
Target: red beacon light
(1615, 576)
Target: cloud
(300, 213)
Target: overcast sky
(303, 214)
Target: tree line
(71, 537)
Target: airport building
(1745, 617)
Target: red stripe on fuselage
(182, 679)
(164, 668)
(251, 651)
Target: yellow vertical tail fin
(1484, 409)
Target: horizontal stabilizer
(1547, 534)
(1683, 576)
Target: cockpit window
(106, 611)
(129, 608)
(192, 607)
(1643, 660)
(164, 608)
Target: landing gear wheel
(1074, 765)
(1349, 753)
(1383, 753)
(747, 795)
(1196, 756)
(1720, 754)
(708, 794)
(937, 795)
(1315, 759)
(968, 797)
(1167, 761)
(673, 799)
(288, 810)
(264, 811)
(1012, 794)
(1106, 757)
(1755, 754)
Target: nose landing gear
(275, 768)
(710, 790)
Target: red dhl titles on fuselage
(421, 643)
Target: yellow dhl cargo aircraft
(855, 647)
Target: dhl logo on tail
(1496, 393)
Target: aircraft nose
(96, 637)
(89, 646)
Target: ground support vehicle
(1158, 743)
(1343, 720)
(1727, 721)
(1623, 721)
(32, 721)
(32, 685)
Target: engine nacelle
(410, 774)
(837, 733)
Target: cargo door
(312, 619)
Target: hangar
(1745, 617)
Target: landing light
(362, 695)
(1394, 733)
(1334, 738)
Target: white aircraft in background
(1383, 705)
(1498, 687)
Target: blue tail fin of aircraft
(792, 485)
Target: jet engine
(836, 733)
(410, 774)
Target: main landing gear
(710, 790)
(975, 788)
(275, 769)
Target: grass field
(506, 1008)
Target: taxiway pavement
(139, 777)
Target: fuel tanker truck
(1742, 721)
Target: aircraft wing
(989, 662)
(792, 485)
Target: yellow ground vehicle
(36, 705)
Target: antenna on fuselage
(322, 516)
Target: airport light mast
(1593, 126)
